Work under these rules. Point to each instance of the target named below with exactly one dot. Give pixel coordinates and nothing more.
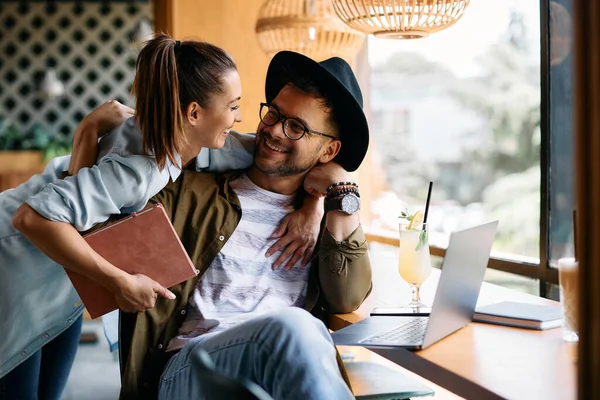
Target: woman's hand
(138, 293)
(96, 124)
(107, 117)
(322, 176)
(298, 233)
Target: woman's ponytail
(158, 110)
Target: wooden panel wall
(586, 23)
(230, 25)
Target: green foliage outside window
(13, 138)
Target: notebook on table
(375, 381)
(521, 315)
(142, 243)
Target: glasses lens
(268, 115)
(294, 128)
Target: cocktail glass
(414, 264)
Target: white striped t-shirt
(240, 283)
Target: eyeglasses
(293, 128)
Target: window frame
(542, 271)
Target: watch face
(350, 204)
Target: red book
(142, 243)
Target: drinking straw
(427, 204)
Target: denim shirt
(37, 300)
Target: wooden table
(362, 354)
(480, 361)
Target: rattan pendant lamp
(400, 19)
(310, 27)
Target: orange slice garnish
(416, 220)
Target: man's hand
(107, 116)
(322, 176)
(298, 233)
(138, 293)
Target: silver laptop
(455, 299)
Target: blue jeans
(289, 353)
(44, 375)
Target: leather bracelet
(337, 184)
(339, 188)
(342, 184)
(341, 192)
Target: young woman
(187, 97)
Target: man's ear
(332, 150)
(193, 113)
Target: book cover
(142, 243)
(524, 315)
(375, 381)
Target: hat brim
(354, 130)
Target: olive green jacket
(205, 211)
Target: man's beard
(286, 167)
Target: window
(483, 110)
(560, 126)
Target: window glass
(461, 108)
(561, 175)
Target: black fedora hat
(336, 78)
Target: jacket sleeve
(116, 184)
(344, 272)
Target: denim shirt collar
(203, 159)
(174, 169)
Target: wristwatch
(348, 203)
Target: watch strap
(334, 204)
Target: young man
(257, 322)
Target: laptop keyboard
(411, 332)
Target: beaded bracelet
(339, 188)
(340, 192)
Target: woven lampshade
(400, 19)
(310, 27)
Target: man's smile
(273, 147)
